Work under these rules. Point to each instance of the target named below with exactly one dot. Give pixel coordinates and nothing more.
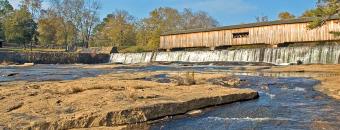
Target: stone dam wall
(322, 54)
(53, 57)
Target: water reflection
(48, 73)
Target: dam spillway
(323, 54)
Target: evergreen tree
(5, 9)
(325, 10)
(19, 27)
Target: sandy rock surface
(108, 100)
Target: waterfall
(131, 58)
(325, 54)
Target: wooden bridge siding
(274, 34)
(205, 38)
(292, 33)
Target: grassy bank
(33, 50)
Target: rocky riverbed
(111, 99)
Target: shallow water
(284, 103)
(48, 73)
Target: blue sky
(227, 12)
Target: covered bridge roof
(250, 25)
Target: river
(286, 101)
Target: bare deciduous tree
(262, 19)
(89, 20)
(82, 14)
(200, 19)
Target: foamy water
(326, 54)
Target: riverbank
(111, 99)
(329, 84)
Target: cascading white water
(131, 58)
(326, 54)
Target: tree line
(77, 23)
(65, 22)
(121, 29)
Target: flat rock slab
(108, 100)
